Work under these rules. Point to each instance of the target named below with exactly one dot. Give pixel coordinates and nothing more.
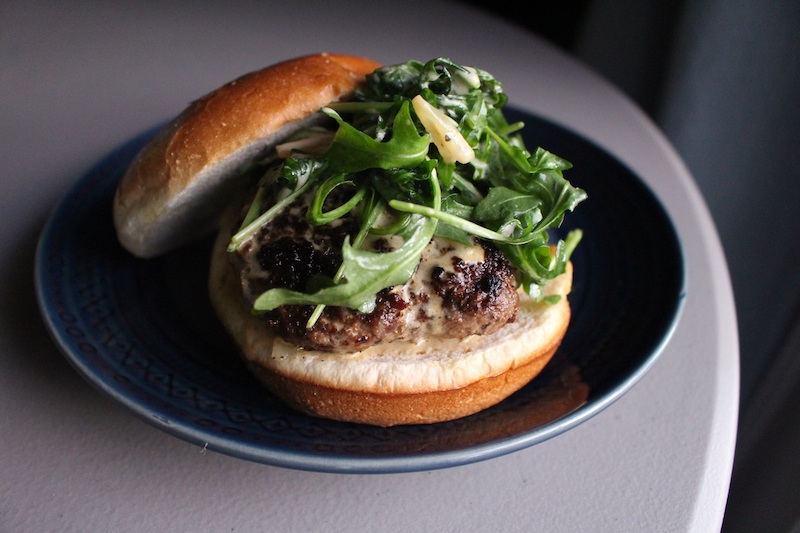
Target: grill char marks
(477, 298)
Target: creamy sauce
(419, 346)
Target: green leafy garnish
(353, 150)
(366, 272)
(387, 166)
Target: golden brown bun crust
(406, 384)
(167, 195)
(390, 409)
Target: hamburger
(384, 251)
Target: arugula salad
(423, 150)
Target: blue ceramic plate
(144, 331)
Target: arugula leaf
(387, 83)
(453, 204)
(504, 208)
(316, 216)
(354, 151)
(366, 274)
(538, 263)
(300, 175)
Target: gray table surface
(79, 78)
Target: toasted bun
(179, 183)
(397, 383)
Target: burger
(386, 248)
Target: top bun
(177, 186)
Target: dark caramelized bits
(447, 297)
(477, 298)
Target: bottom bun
(398, 383)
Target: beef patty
(456, 291)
